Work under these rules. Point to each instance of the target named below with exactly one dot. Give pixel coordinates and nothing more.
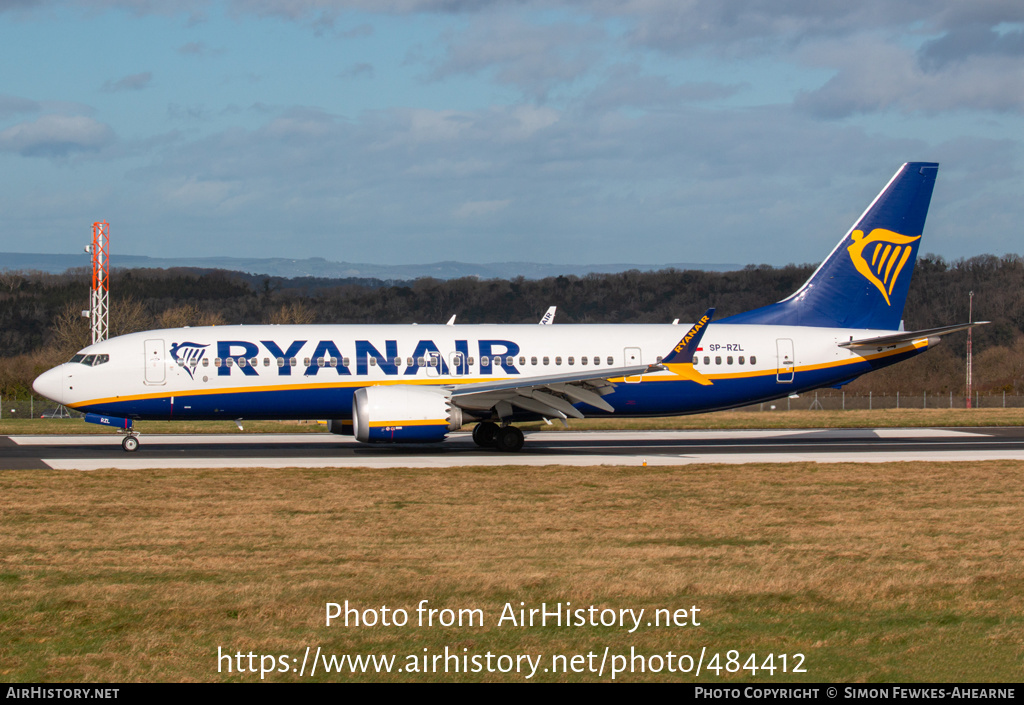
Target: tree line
(41, 322)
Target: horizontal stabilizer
(907, 336)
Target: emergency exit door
(787, 361)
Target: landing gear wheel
(130, 444)
(485, 433)
(509, 439)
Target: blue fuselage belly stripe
(648, 398)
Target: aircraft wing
(587, 386)
(884, 341)
(552, 396)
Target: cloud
(135, 82)
(56, 136)
(534, 58)
(873, 75)
(13, 105)
(360, 70)
(405, 176)
(627, 86)
(200, 49)
(973, 40)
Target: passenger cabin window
(728, 360)
(547, 360)
(611, 360)
(533, 361)
(583, 360)
(718, 360)
(741, 359)
(558, 360)
(707, 360)
(280, 362)
(572, 361)
(753, 360)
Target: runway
(630, 448)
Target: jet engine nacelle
(403, 414)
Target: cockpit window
(91, 360)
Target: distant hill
(319, 267)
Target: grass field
(880, 418)
(902, 572)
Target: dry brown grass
(874, 571)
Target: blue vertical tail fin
(864, 282)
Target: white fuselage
(311, 371)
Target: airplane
(418, 383)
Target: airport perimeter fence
(831, 400)
(33, 407)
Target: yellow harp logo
(888, 252)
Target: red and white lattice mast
(99, 309)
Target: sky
(413, 131)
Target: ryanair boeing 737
(415, 384)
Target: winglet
(680, 360)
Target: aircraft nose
(50, 384)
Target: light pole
(970, 362)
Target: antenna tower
(100, 281)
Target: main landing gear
(507, 439)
